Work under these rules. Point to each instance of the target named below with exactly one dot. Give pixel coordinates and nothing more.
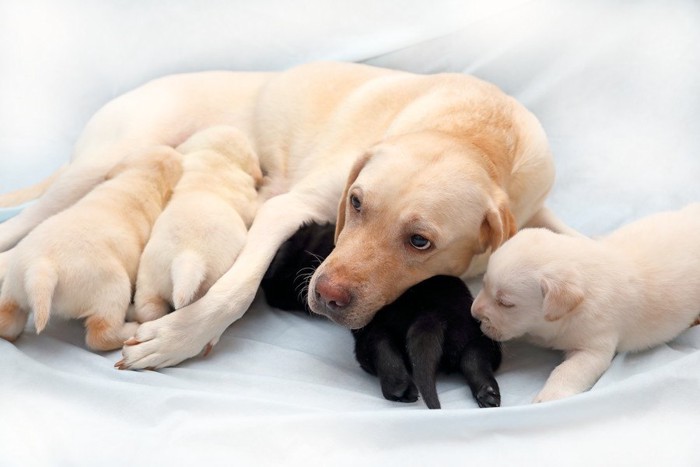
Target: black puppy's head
(287, 277)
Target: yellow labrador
(82, 262)
(201, 231)
(633, 289)
(449, 167)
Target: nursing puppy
(631, 290)
(285, 283)
(82, 262)
(423, 174)
(426, 329)
(204, 226)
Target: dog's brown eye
(419, 242)
(356, 203)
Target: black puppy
(428, 328)
(287, 278)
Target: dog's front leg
(577, 373)
(184, 333)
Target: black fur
(287, 278)
(428, 328)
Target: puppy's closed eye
(503, 302)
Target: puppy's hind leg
(479, 359)
(149, 300)
(424, 342)
(12, 320)
(106, 332)
(377, 355)
(149, 308)
(106, 326)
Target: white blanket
(617, 88)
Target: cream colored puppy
(82, 262)
(631, 290)
(416, 168)
(204, 226)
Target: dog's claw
(488, 396)
(398, 390)
(207, 349)
(131, 341)
(120, 364)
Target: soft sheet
(617, 88)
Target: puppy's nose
(477, 310)
(334, 296)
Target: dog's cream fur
(201, 231)
(445, 155)
(82, 262)
(633, 289)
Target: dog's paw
(488, 396)
(399, 389)
(164, 342)
(552, 393)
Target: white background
(617, 88)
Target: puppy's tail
(187, 271)
(23, 195)
(4, 257)
(40, 283)
(424, 344)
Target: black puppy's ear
(342, 206)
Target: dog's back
(665, 253)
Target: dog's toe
(163, 342)
(488, 396)
(411, 394)
(400, 390)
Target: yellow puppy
(422, 174)
(82, 262)
(631, 290)
(200, 233)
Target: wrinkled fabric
(616, 86)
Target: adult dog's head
(414, 206)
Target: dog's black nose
(334, 296)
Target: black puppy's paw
(488, 396)
(399, 389)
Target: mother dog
(425, 174)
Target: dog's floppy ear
(562, 294)
(498, 224)
(354, 172)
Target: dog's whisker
(318, 257)
(302, 279)
(303, 289)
